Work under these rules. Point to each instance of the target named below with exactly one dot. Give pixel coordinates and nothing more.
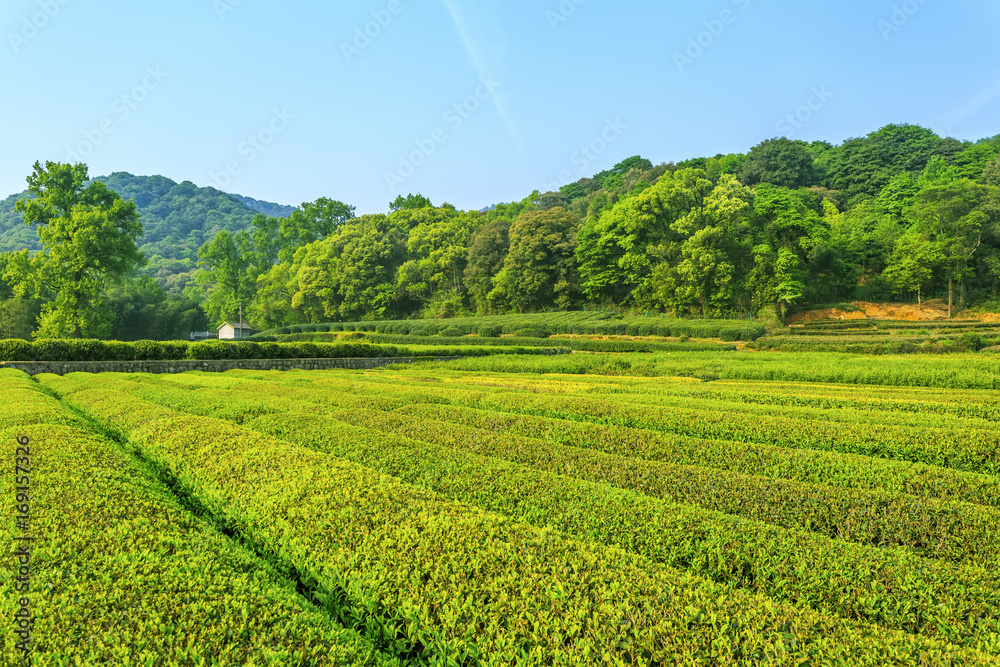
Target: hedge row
(126, 576)
(446, 584)
(675, 534)
(97, 350)
(543, 325)
(584, 345)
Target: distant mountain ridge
(177, 218)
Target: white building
(229, 331)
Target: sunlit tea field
(435, 516)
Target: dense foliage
(543, 325)
(900, 213)
(98, 350)
(451, 535)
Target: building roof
(243, 327)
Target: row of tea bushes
(448, 584)
(99, 350)
(579, 344)
(542, 325)
(958, 531)
(793, 565)
(122, 574)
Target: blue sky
(469, 102)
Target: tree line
(898, 213)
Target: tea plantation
(655, 507)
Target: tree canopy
(898, 212)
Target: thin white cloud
(476, 36)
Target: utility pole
(240, 335)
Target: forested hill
(899, 213)
(177, 217)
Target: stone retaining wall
(211, 366)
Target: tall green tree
(227, 271)
(88, 237)
(913, 262)
(952, 213)
(409, 203)
(991, 174)
(487, 253)
(781, 162)
(540, 271)
(312, 222)
(350, 275)
(865, 165)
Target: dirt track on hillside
(928, 311)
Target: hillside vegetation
(900, 214)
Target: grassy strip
(849, 414)
(954, 403)
(453, 584)
(122, 574)
(975, 411)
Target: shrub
(451, 332)
(532, 333)
(246, 350)
(210, 350)
(16, 349)
(490, 331)
(972, 342)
